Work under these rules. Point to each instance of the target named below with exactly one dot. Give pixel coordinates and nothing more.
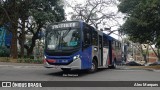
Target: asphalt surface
(36, 72)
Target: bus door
(100, 51)
(110, 52)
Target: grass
(21, 60)
(28, 60)
(4, 59)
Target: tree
(40, 14)
(94, 12)
(142, 21)
(9, 18)
(29, 16)
(128, 6)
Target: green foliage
(31, 16)
(28, 60)
(42, 12)
(143, 21)
(46, 11)
(4, 51)
(127, 6)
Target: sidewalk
(150, 68)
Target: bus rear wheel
(94, 66)
(66, 69)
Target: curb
(153, 70)
(15, 66)
(156, 70)
(20, 65)
(148, 69)
(12, 63)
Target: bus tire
(66, 69)
(94, 66)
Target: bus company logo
(6, 84)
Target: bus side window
(95, 38)
(105, 42)
(113, 43)
(87, 37)
(119, 45)
(116, 44)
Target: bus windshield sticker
(73, 43)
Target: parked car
(155, 63)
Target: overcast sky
(113, 9)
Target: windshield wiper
(66, 33)
(63, 35)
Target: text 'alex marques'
(146, 84)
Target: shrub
(4, 51)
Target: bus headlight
(45, 57)
(76, 57)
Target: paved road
(36, 72)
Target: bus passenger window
(105, 42)
(113, 43)
(119, 45)
(87, 37)
(94, 38)
(116, 44)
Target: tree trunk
(23, 38)
(33, 43)
(145, 58)
(30, 49)
(158, 52)
(14, 27)
(14, 52)
(158, 58)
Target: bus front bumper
(76, 64)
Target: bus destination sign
(65, 25)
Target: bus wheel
(94, 66)
(66, 69)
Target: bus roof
(80, 21)
(109, 37)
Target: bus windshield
(63, 39)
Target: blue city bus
(77, 45)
